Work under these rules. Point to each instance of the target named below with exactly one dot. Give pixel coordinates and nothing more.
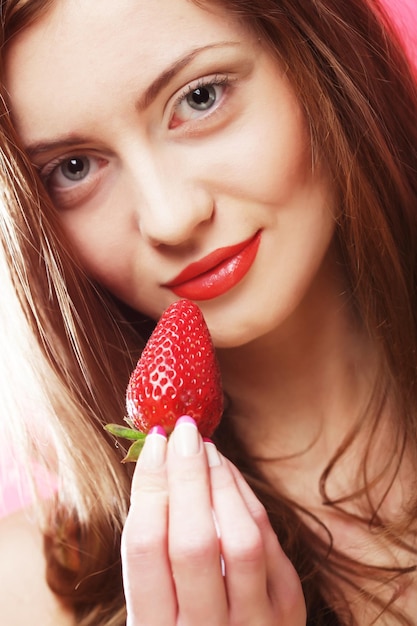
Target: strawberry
(177, 374)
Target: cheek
(99, 240)
(269, 156)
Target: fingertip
(186, 438)
(154, 449)
(213, 457)
(157, 430)
(185, 419)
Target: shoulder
(25, 597)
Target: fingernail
(213, 457)
(157, 430)
(186, 436)
(154, 449)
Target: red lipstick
(216, 273)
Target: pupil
(76, 168)
(202, 98)
(201, 95)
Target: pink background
(404, 13)
(15, 491)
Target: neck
(304, 383)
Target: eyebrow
(151, 92)
(167, 75)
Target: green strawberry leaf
(134, 451)
(125, 433)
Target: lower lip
(221, 278)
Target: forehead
(80, 48)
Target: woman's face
(177, 156)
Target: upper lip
(209, 262)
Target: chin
(237, 335)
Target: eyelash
(50, 168)
(203, 83)
(216, 81)
(47, 171)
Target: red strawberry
(177, 374)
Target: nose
(171, 203)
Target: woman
(147, 149)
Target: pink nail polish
(157, 430)
(185, 419)
(213, 457)
(186, 436)
(154, 449)
(208, 440)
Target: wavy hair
(359, 96)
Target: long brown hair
(360, 100)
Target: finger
(242, 546)
(193, 543)
(284, 585)
(146, 570)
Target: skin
(167, 185)
(260, 585)
(241, 166)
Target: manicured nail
(185, 419)
(213, 457)
(157, 430)
(186, 436)
(154, 449)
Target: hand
(176, 570)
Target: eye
(197, 101)
(71, 179)
(202, 98)
(75, 168)
(70, 170)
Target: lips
(216, 273)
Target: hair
(359, 95)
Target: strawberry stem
(124, 432)
(128, 433)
